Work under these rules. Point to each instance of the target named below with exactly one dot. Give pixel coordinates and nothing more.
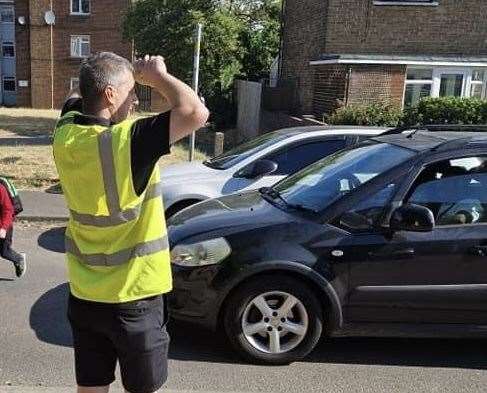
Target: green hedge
(366, 115)
(443, 110)
(447, 110)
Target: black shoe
(21, 267)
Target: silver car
(261, 162)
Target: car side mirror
(257, 169)
(412, 218)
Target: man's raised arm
(188, 113)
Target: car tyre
(296, 337)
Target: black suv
(385, 238)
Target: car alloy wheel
(273, 319)
(275, 322)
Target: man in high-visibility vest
(116, 241)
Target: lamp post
(196, 76)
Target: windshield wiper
(274, 194)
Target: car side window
(365, 215)
(291, 159)
(454, 190)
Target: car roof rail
(438, 127)
(398, 130)
(456, 127)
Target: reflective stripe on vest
(120, 257)
(119, 217)
(116, 215)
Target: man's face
(124, 99)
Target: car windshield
(322, 183)
(245, 150)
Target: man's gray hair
(100, 71)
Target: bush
(443, 110)
(447, 110)
(366, 115)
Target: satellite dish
(50, 18)
(21, 20)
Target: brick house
(364, 51)
(40, 62)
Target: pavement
(43, 206)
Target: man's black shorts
(133, 333)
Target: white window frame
(417, 82)
(15, 83)
(483, 83)
(438, 72)
(435, 82)
(72, 81)
(11, 7)
(427, 3)
(9, 43)
(80, 37)
(79, 4)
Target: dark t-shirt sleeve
(72, 104)
(150, 141)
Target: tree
(240, 38)
(260, 38)
(167, 27)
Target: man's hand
(3, 233)
(150, 70)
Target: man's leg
(97, 389)
(126, 391)
(142, 346)
(94, 354)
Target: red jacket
(6, 209)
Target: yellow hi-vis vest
(116, 241)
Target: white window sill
(79, 57)
(403, 3)
(80, 14)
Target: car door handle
(479, 251)
(398, 254)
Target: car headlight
(208, 252)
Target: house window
(444, 82)
(8, 83)
(7, 14)
(74, 84)
(8, 49)
(80, 7)
(478, 84)
(406, 2)
(80, 46)
(419, 84)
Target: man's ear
(110, 94)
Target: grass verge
(32, 167)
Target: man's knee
(93, 389)
(157, 391)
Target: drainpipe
(347, 84)
(281, 40)
(52, 62)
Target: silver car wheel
(275, 322)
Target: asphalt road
(35, 346)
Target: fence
(144, 96)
